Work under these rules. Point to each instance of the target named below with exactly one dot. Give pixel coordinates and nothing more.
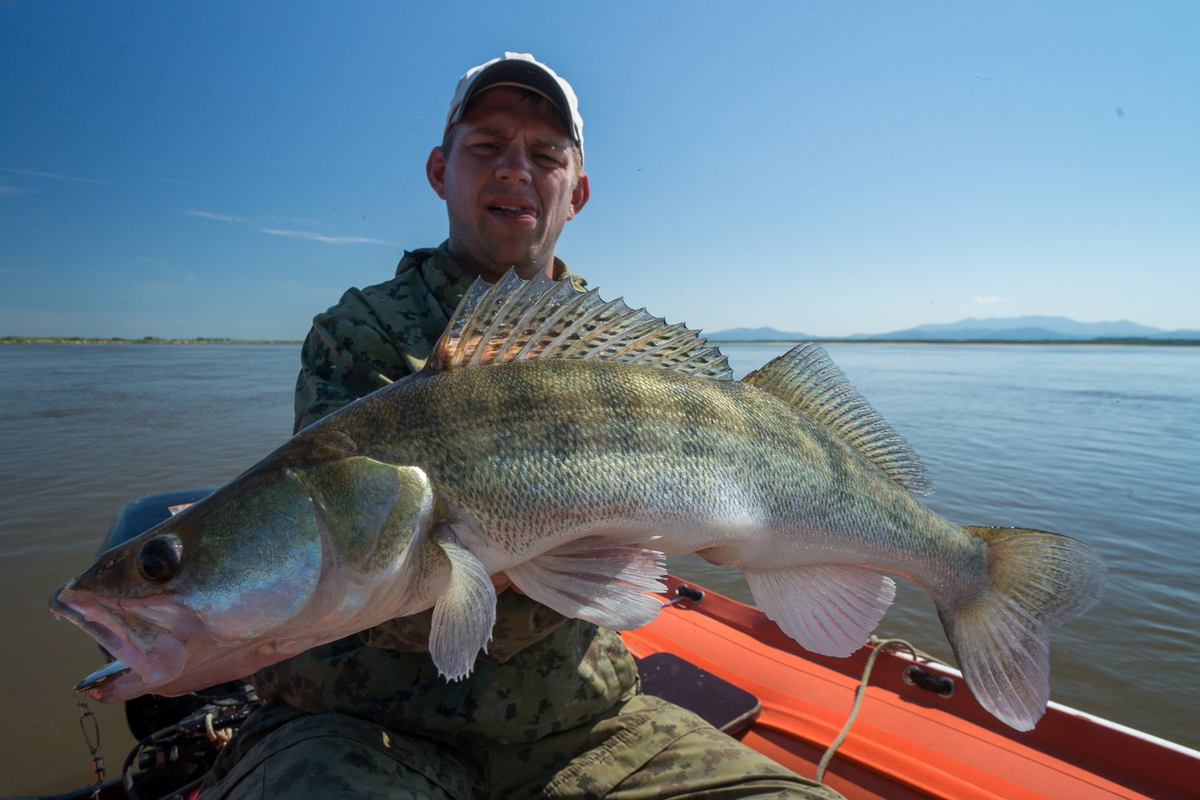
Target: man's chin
(525, 270)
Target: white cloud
(218, 217)
(320, 237)
(275, 221)
(311, 236)
(54, 176)
(8, 190)
(986, 301)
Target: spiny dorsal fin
(808, 380)
(516, 319)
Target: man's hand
(501, 582)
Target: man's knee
(335, 756)
(706, 763)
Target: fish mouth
(138, 669)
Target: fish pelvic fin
(464, 614)
(806, 378)
(596, 579)
(1036, 581)
(830, 609)
(515, 319)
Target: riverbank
(143, 340)
(1133, 341)
(1136, 341)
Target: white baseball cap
(525, 71)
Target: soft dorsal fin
(515, 319)
(808, 380)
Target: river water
(1100, 443)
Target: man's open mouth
(515, 212)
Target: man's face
(510, 184)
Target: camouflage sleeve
(349, 353)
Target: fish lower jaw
(118, 689)
(104, 625)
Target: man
(553, 708)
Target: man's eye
(548, 159)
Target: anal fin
(828, 608)
(464, 614)
(596, 579)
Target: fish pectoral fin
(830, 609)
(597, 580)
(464, 614)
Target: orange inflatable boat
(918, 731)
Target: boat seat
(723, 705)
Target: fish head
(199, 598)
(312, 544)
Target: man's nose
(514, 165)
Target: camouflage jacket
(371, 338)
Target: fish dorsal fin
(515, 319)
(808, 380)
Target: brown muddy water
(1101, 443)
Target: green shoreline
(1133, 341)
(143, 340)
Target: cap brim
(520, 74)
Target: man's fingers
(501, 581)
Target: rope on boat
(921, 655)
(880, 646)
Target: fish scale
(568, 444)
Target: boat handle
(939, 685)
(685, 592)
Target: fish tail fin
(1000, 635)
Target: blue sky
(228, 169)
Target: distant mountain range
(993, 329)
(758, 335)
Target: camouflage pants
(562, 717)
(641, 748)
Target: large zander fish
(570, 444)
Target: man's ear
(580, 195)
(435, 171)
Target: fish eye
(158, 560)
